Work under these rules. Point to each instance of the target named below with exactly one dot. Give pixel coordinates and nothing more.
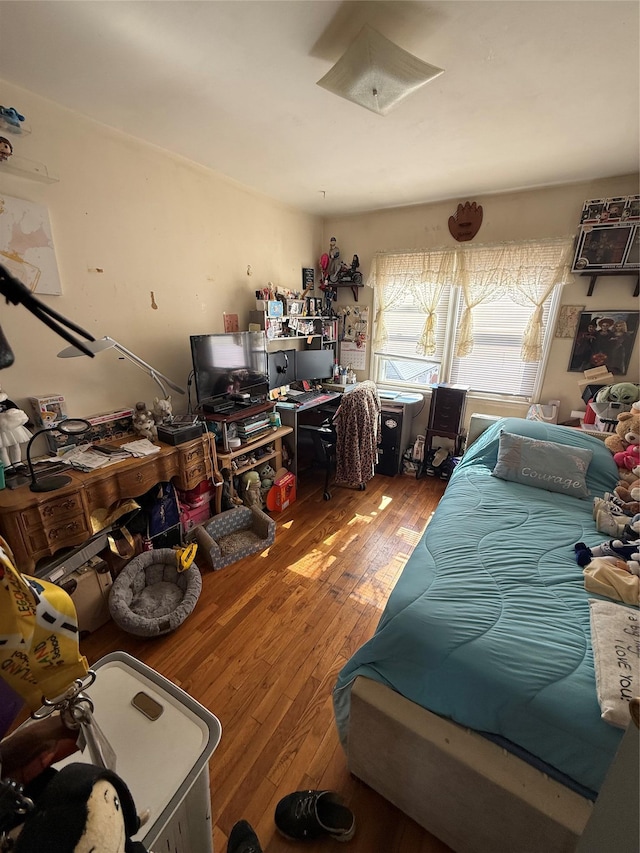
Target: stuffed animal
(83, 808)
(629, 458)
(13, 432)
(622, 392)
(162, 410)
(629, 495)
(627, 434)
(143, 422)
(616, 550)
(267, 475)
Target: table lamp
(109, 343)
(70, 426)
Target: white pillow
(615, 637)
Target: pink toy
(628, 458)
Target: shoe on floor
(304, 815)
(242, 839)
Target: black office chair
(324, 440)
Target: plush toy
(83, 809)
(143, 422)
(629, 496)
(629, 458)
(162, 411)
(627, 434)
(614, 550)
(622, 392)
(13, 432)
(267, 475)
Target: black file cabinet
(446, 414)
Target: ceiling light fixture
(377, 74)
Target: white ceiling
(534, 93)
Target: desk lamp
(108, 343)
(70, 426)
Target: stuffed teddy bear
(627, 434)
(83, 808)
(628, 494)
(616, 550)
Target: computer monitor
(282, 368)
(232, 364)
(314, 364)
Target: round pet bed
(151, 597)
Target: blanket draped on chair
(357, 424)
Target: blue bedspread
(488, 624)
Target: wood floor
(265, 643)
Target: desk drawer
(50, 537)
(51, 511)
(194, 474)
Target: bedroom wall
(524, 215)
(153, 223)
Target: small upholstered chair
(233, 534)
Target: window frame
(554, 302)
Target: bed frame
(470, 793)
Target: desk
(38, 524)
(314, 412)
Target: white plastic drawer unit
(164, 761)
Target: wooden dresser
(38, 524)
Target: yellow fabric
(603, 577)
(39, 654)
(105, 517)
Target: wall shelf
(30, 169)
(22, 129)
(594, 276)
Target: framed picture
(604, 339)
(602, 247)
(295, 307)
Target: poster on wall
(26, 245)
(568, 320)
(604, 339)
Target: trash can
(165, 760)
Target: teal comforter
(488, 624)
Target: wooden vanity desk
(38, 524)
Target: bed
(473, 707)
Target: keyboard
(303, 397)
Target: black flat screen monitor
(314, 364)
(230, 364)
(282, 368)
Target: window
(493, 302)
